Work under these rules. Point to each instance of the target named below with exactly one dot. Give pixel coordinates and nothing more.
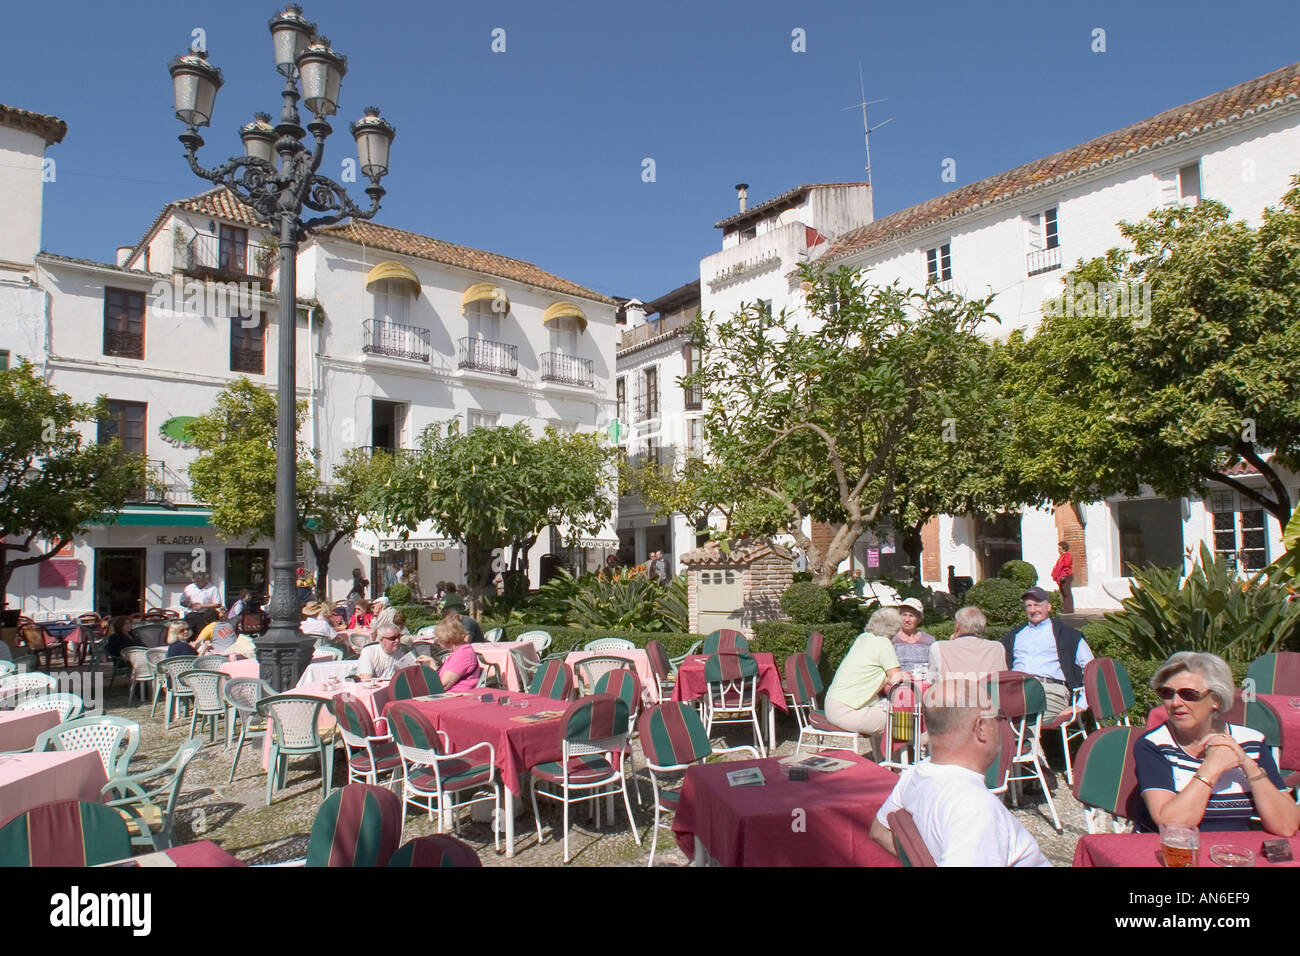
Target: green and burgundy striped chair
(909, 846)
(725, 641)
(370, 753)
(625, 684)
(554, 679)
(1020, 698)
(65, 833)
(995, 777)
(359, 825)
(436, 850)
(814, 647)
(418, 680)
(433, 776)
(673, 738)
(591, 762)
(805, 683)
(662, 669)
(1107, 777)
(731, 693)
(1258, 715)
(1110, 692)
(1276, 673)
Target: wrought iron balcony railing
(397, 341)
(483, 355)
(124, 344)
(163, 484)
(212, 256)
(567, 369)
(1043, 260)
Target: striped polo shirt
(1163, 765)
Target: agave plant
(671, 606)
(1212, 610)
(625, 602)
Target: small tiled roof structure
(1173, 125)
(218, 202)
(791, 197)
(745, 551)
(51, 128)
(472, 260)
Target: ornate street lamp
(277, 195)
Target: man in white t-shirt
(384, 659)
(201, 596)
(960, 821)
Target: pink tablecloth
(637, 656)
(1143, 849)
(519, 745)
(499, 654)
(20, 728)
(250, 667)
(28, 780)
(761, 825)
(1288, 716)
(690, 679)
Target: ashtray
(1226, 854)
(486, 698)
(503, 701)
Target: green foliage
(806, 602)
(628, 601)
(783, 638)
(55, 484)
(672, 605)
(1001, 603)
(1174, 386)
(1211, 611)
(823, 418)
(565, 639)
(1023, 574)
(417, 615)
(398, 594)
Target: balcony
(567, 369)
(163, 484)
(482, 355)
(124, 344)
(646, 405)
(694, 398)
(396, 341)
(1043, 260)
(250, 361)
(208, 257)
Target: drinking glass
(1180, 844)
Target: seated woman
(461, 670)
(180, 643)
(1195, 768)
(856, 698)
(362, 616)
(120, 637)
(911, 644)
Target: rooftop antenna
(866, 130)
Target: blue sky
(538, 152)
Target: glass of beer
(1180, 844)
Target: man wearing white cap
(911, 644)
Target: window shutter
(1167, 189)
(1034, 232)
(1189, 178)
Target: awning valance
(565, 310)
(158, 516)
(423, 539)
(393, 270)
(486, 292)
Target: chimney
(742, 193)
(123, 253)
(635, 309)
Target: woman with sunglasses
(1195, 768)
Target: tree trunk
(912, 547)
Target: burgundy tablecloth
(760, 826)
(29, 780)
(203, 853)
(690, 679)
(1288, 715)
(20, 728)
(519, 745)
(1143, 849)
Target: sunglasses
(1184, 693)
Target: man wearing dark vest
(1052, 651)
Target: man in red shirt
(1063, 575)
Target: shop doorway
(246, 568)
(998, 541)
(119, 581)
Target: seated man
(1054, 653)
(968, 654)
(960, 821)
(384, 659)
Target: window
(232, 250)
(652, 451)
(750, 233)
(125, 422)
(694, 442)
(564, 336)
(483, 322)
(1239, 531)
(620, 400)
(4, 360)
(651, 393)
(391, 300)
(694, 359)
(938, 263)
(248, 346)
(1043, 242)
(1179, 186)
(124, 323)
(477, 418)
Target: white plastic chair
(539, 639)
(610, 644)
(731, 694)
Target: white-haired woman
(856, 698)
(1195, 768)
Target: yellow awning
(484, 292)
(565, 310)
(393, 270)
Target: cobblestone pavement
(235, 815)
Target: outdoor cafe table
(690, 686)
(1143, 849)
(499, 654)
(518, 744)
(1288, 716)
(636, 655)
(29, 780)
(823, 821)
(20, 728)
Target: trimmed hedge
(999, 599)
(783, 638)
(806, 602)
(1024, 574)
(943, 630)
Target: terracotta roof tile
(50, 127)
(744, 551)
(473, 260)
(1214, 110)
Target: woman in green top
(855, 699)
